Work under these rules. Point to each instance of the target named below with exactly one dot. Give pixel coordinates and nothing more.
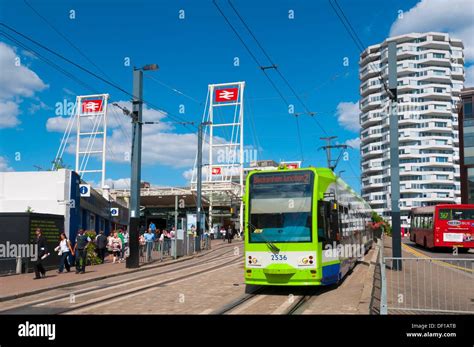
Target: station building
(58, 193)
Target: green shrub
(92, 257)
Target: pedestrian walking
(125, 244)
(149, 238)
(223, 233)
(152, 227)
(64, 250)
(40, 271)
(80, 249)
(116, 246)
(229, 234)
(101, 243)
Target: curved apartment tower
(430, 76)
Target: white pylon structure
(223, 175)
(90, 118)
(91, 110)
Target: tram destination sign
(282, 178)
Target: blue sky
(191, 52)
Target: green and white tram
(303, 227)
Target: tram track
(268, 297)
(105, 300)
(125, 282)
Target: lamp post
(133, 261)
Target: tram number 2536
(279, 257)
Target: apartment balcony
(368, 58)
(432, 76)
(437, 110)
(435, 44)
(372, 154)
(370, 119)
(369, 71)
(436, 144)
(367, 89)
(432, 93)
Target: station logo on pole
(216, 171)
(91, 106)
(227, 94)
(292, 164)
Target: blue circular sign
(83, 190)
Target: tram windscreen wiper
(270, 244)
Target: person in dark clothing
(230, 234)
(101, 242)
(40, 272)
(80, 249)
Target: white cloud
(188, 174)
(36, 107)
(121, 183)
(469, 76)
(16, 81)
(348, 115)
(4, 165)
(159, 144)
(454, 17)
(9, 114)
(354, 143)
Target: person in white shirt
(64, 249)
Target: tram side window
(323, 207)
(327, 222)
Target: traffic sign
(228, 94)
(114, 211)
(85, 190)
(216, 170)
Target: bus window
(456, 214)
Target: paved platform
(15, 286)
(353, 296)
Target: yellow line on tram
(421, 255)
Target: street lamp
(133, 261)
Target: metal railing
(429, 285)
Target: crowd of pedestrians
(114, 247)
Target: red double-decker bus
(445, 225)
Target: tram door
(328, 222)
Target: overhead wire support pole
(199, 188)
(133, 261)
(394, 159)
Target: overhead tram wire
(355, 38)
(276, 67)
(114, 85)
(177, 91)
(58, 68)
(119, 122)
(177, 119)
(260, 66)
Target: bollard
(18, 265)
